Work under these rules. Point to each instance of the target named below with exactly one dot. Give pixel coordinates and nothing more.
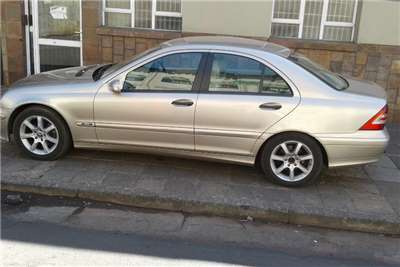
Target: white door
(56, 34)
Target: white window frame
(131, 11)
(324, 21)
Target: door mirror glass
(116, 86)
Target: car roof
(226, 42)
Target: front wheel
(41, 133)
(292, 159)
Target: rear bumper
(360, 147)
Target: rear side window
(238, 74)
(273, 84)
(175, 72)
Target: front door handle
(271, 105)
(182, 102)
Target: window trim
(206, 78)
(196, 83)
(324, 21)
(131, 11)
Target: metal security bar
(146, 14)
(332, 20)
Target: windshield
(332, 79)
(117, 66)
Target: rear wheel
(292, 159)
(41, 133)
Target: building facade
(360, 38)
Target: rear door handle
(182, 102)
(271, 105)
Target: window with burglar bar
(145, 14)
(331, 20)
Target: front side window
(237, 74)
(166, 14)
(331, 20)
(175, 72)
(332, 79)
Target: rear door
(240, 98)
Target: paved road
(363, 198)
(393, 149)
(48, 244)
(81, 234)
(70, 232)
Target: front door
(156, 107)
(56, 33)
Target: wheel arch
(324, 153)
(22, 107)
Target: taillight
(377, 122)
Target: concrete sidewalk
(363, 198)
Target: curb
(220, 210)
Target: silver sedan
(220, 98)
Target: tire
(45, 128)
(288, 168)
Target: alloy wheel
(39, 135)
(292, 161)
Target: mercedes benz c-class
(221, 98)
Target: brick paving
(364, 198)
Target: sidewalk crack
(77, 211)
(185, 216)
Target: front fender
(73, 106)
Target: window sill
(314, 44)
(139, 33)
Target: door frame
(206, 76)
(45, 41)
(28, 29)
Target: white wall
(379, 22)
(234, 17)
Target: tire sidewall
(315, 150)
(64, 137)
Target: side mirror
(116, 86)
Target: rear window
(332, 79)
